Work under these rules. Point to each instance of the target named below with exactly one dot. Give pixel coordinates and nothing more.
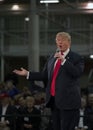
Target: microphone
(58, 50)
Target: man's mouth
(60, 47)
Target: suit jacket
(67, 82)
(32, 118)
(11, 110)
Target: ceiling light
(49, 1)
(15, 7)
(89, 5)
(27, 19)
(91, 56)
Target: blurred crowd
(26, 110)
(22, 109)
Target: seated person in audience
(25, 92)
(7, 112)
(90, 111)
(20, 105)
(83, 120)
(31, 118)
(11, 89)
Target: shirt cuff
(27, 77)
(63, 62)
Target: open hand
(21, 72)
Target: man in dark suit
(61, 75)
(7, 112)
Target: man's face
(30, 104)
(62, 43)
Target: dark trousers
(64, 119)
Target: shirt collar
(66, 52)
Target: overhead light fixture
(27, 19)
(89, 5)
(49, 1)
(86, 5)
(15, 7)
(91, 56)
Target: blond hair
(30, 99)
(64, 35)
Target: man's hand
(59, 56)
(21, 72)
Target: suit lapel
(68, 57)
(51, 66)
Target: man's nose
(60, 43)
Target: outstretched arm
(21, 72)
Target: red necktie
(55, 72)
